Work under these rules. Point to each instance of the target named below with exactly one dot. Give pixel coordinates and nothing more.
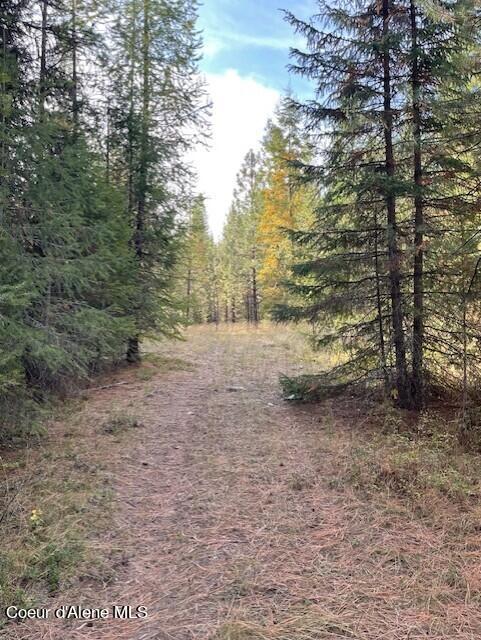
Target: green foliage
(88, 241)
(240, 250)
(389, 268)
(51, 562)
(197, 273)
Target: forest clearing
(232, 515)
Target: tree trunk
(402, 383)
(133, 350)
(130, 125)
(107, 154)
(144, 143)
(74, 66)
(189, 290)
(255, 302)
(43, 60)
(382, 343)
(418, 285)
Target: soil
(232, 519)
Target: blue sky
(252, 37)
(246, 51)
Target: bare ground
(233, 519)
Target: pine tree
(195, 265)
(155, 111)
(62, 221)
(381, 123)
(240, 245)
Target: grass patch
(420, 462)
(159, 363)
(52, 496)
(120, 423)
(52, 561)
(302, 625)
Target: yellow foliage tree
(285, 207)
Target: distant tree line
(360, 214)
(241, 277)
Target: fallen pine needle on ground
(232, 515)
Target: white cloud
(212, 47)
(241, 108)
(214, 44)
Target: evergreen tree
(285, 204)
(195, 266)
(87, 252)
(155, 112)
(241, 247)
(380, 121)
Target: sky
(245, 54)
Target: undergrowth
(415, 460)
(53, 496)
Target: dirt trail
(231, 520)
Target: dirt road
(232, 520)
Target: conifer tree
(285, 203)
(240, 248)
(87, 249)
(155, 112)
(195, 265)
(383, 129)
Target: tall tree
(156, 110)
(400, 74)
(285, 203)
(195, 266)
(241, 243)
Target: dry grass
(56, 500)
(239, 517)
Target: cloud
(241, 108)
(215, 44)
(212, 46)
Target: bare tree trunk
(3, 80)
(43, 60)
(133, 351)
(74, 66)
(189, 290)
(382, 344)
(107, 155)
(216, 306)
(130, 125)
(418, 284)
(402, 383)
(255, 302)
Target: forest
(99, 103)
(360, 213)
(273, 433)
(357, 214)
